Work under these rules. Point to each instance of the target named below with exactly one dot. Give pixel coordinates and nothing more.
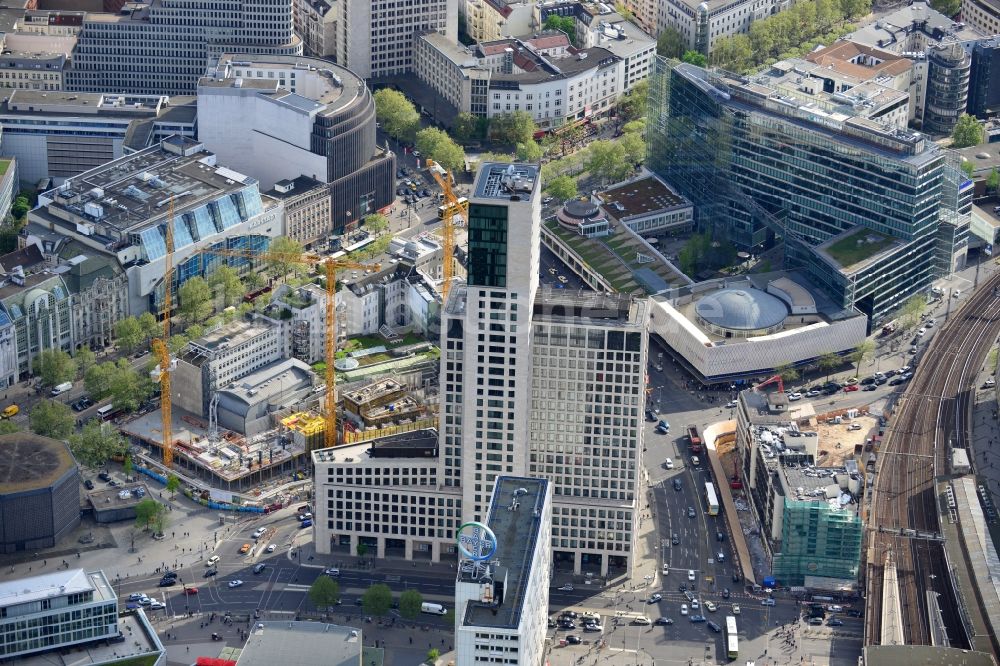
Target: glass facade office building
(762, 167)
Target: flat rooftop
(517, 534)
(231, 335)
(141, 647)
(273, 380)
(760, 412)
(894, 29)
(301, 644)
(641, 197)
(118, 498)
(417, 442)
(55, 584)
(30, 462)
(82, 103)
(594, 307)
(500, 180)
(374, 391)
(856, 248)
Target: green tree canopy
(733, 53)
(146, 512)
(608, 161)
(97, 380)
(227, 284)
(637, 126)
(284, 256)
(671, 43)
(127, 388)
(861, 353)
(968, 132)
(195, 300)
(828, 361)
(173, 483)
(910, 311)
(562, 187)
(129, 334)
(634, 147)
(993, 181)
(787, 372)
(437, 145)
(150, 327)
(397, 115)
(376, 223)
(177, 342)
(54, 367)
(947, 7)
(51, 419)
(8, 427)
(529, 151)
(96, 443)
(85, 360)
(633, 105)
(410, 603)
(694, 58)
(468, 127)
(377, 599)
(324, 593)
(513, 128)
(566, 24)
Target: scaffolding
(818, 539)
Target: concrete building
(627, 40)
(56, 611)
(380, 403)
(808, 512)
(316, 25)
(862, 258)
(302, 644)
(490, 20)
(646, 205)
(37, 304)
(51, 23)
(542, 75)
(308, 215)
(32, 71)
(220, 358)
(304, 332)
(704, 23)
(376, 40)
(162, 48)
(121, 210)
(739, 328)
(112, 505)
(9, 184)
(39, 494)
(937, 47)
(501, 603)
(59, 135)
(275, 118)
(249, 405)
(983, 15)
(984, 79)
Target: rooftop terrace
(854, 248)
(500, 180)
(640, 197)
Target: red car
(852, 387)
(190, 590)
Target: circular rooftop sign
(476, 541)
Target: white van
(642, 620)
(62, 388)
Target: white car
(767, 602)
(235, 583)
(736, 609)
(731, 404)
(668, 463)
(684, 609)
(156, 605)
(811, 394)
(792, 397)
(566, 588)
(212, 560)
(921, 331)
(271, 547)
(695, 604)
(690, 574)
(711, 607)
(259, 532)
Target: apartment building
(502, 601)
(703, 23)
(316, 25)
(983, 15)
(308, 215)
(162, 48)
(375, 40)
(984, 79)
(58, 135)
(32, 71)
(490, 20)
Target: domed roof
(580, 208)
(742, 309)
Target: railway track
(931, 416)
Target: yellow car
(9, 411)
(244, 548)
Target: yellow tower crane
(330, 266)
(452, 208)
(161, 349)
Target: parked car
(593, 627)
(668, 463)
(851, 388)
(650, 414)
(156, 605)
(573, 639)
(792, 397)
(88, 484)
(870, 387)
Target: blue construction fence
(215, 506)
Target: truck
(62, 388)
(9, 411)
(890, 328)
(433, 609)
(694, 441)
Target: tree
(562, 187)
(399, 118)
(993, 181)
(19, 209)
(440, 147)
(150, 327)
(947, 7)
(671, 43)
(853, 9)
(513, 128)
(127, 467)
(362, 549)
(633, 105)
(410, 602)
(433, 655)
(377, 599)
(226, 283)
(566, 24)
(608, 161)
(634, 147)
(376, 223)
(733, 53)
(128, 334)
(827, 362)
(54, 367)
(324, 593)
(968, 132)
(96, 443)
(146, 512)
(173, 484)
(787, 372)
(694, 58)
(860, 353)
(194, 331)
(635, 127)
(177, 342)
(284, 256)
(910, 311)
(127, 388)
(85, 360)
(8, 427)
(528, 151)
(51, 419)
(968, 167)
(762, 39)
(97, 380)
(468, 127)
(195, 297)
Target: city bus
(458, 208)
(711, 499)
(732, 641)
